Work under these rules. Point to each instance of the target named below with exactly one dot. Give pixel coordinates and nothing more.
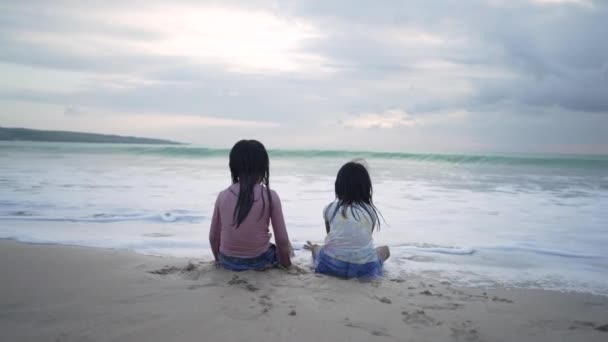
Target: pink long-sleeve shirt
(252, 237)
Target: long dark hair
(353, 187)
(249, 166)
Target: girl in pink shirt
(239, 235)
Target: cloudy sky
(439, 76)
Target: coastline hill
(25, 134)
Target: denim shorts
(268, 259)
(342, 269)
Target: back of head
(249, 166)
(248, 159)
(353, 184)
(353, 187)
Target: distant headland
(26, 134)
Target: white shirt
(350, 235)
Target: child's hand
(309, 245)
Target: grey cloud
(518, 60)
(19, 52)
(556, 52)
(579, 93)
(199, 90)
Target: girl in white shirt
(349, 250)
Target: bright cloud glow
(242, 40)
(389, 119)
(394, 118)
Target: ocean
(532, 221)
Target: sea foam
(513, 220)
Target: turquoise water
(565, 160)
(480, 220)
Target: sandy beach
(61, 293)
(464, 140)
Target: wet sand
(60, 293)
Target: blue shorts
(268, 259)
(338, 268)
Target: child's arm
(215, 231)
(280, 231)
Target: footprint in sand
(602, 328)
(266, 303)
(465, 331)
(191, 271)
(194, 271)
(501, 300)
(372, 329)
(166, 270)
(236, 280)
(385, 300)
(588, 325)
(327, 299)
(429, 293)
(419, 318)
(446, 306)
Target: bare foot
(313, 248)
(383, 252)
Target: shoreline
(69, 293)
(391, 270)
